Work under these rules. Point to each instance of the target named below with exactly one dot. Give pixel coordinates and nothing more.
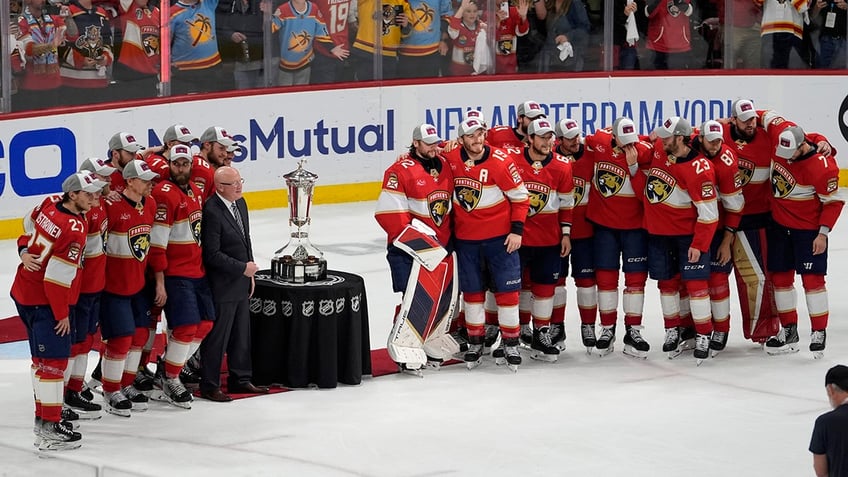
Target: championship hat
(711, 130)
(139, 169)
(475, 113)
(125, 141)
(178, 132)
(674, 126)
(837, 375)
(744, 109)
(539, 127)
(624, 131)
(97, 166)
(567, 128)
(235, 147)
(531, 109)
(82, 181)
(789, 141)
(180, 151)
(217, 134)
(426, 133)
(469, 126)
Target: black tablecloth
(311, 333)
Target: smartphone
(505, 7)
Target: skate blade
(159, 396)
(698, 361)
(434, 365)
(500, 361)
(140, 407)
(788, 349)
(715, 352)
(687, 345)
(118, 412)
(513, 367)
(818, 354)
(674, 353)
(474, 364)
(634, 353)
(561, 347)
(95, 386)
(88, 415)
(47, 447)
(545, 358)
(412, 372)
(603, 352)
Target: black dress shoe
(248, 388)
(215, 395)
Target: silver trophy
(299, 261)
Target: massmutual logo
(843, 118)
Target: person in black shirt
(830, 433)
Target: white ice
(742, 413)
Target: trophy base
(288, 269)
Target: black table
(313, 333)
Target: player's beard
(181, 179)
(541, 152)
(744, 134)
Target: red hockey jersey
(613, 201)
(203, 176)
(729, 184)
(175, 236)
(680, 197)
(806, 192)
(59, 238)
(410, 191)
(488, 194)
(550, 187)
(754, 159)
(130, 226)
(94, 265)
(504, 137)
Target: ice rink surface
(741, 413)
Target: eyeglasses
(240, 181)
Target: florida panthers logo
(659, 186)
(782, 181)
(91, 43)
(579, 190)
(439, 206)
(139, 241)
(194, 219)
(388, 18)
(539, 195)
(467, 193)
(609, 178)
(746, 171)
(150, 43)
(505, 47)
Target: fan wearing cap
(830, 432)
(547, 177)
(490, 205)
(123, 148)
(125, 305)
(515, 138)
(681, 215)
(805, 207)
(43, 299)
(618, 156)
(570, 145)
(417, 186)
(176, 261)
(710, 143)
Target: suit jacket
(226, 250)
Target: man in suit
(228, 258)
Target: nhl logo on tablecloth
(325, 307)
(308, 308)
(255, 305)
(269, 307)
(287, 308)
(340, 304)
(354, 303)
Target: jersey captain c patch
(467, 193)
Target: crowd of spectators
(71, 52)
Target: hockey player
(123, 148)
(710, 143)
(506, 136)
(547, 177)
(615, 210)
(175, 259)
(805, 208)
(681, 214)
(214, 143)
(417, 186)
(581, 256)
(490, 205)
(43, 297)
(175, 134)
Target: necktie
(237, 215)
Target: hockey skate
(116, 403)
(606, 342)
(526, 335)
(172, 391)
(717, 343)
(434, 363)
(671, 345)
(57, 436)
(634, 344)
(818, 340)
(86, 392)
(542, 348)
(785, 342)
(492, 339)
(587, 333)
(558, 335)
(512, 358)
(410, 369)
(474, 356)
(86, 409)
(702, 348)
(137, 398)
(687, 338)
(71, 417)
(144, 380)
(461, 338)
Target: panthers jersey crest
(782, 181)
(746, 171)
(539, 196)
(579, 190)
(139, 241)
(194, 219)
(659, 186)
(609, 178)
(439, 204)
(467, 193)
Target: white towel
(565, 50)
(482, 58)
(632, 32)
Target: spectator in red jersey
(138, 62)
(40, 35)
(512, 23)
(669, 32)
(745, 30)
(465, 29)
(327, 67)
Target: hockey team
(72, 281)
(753, 193)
